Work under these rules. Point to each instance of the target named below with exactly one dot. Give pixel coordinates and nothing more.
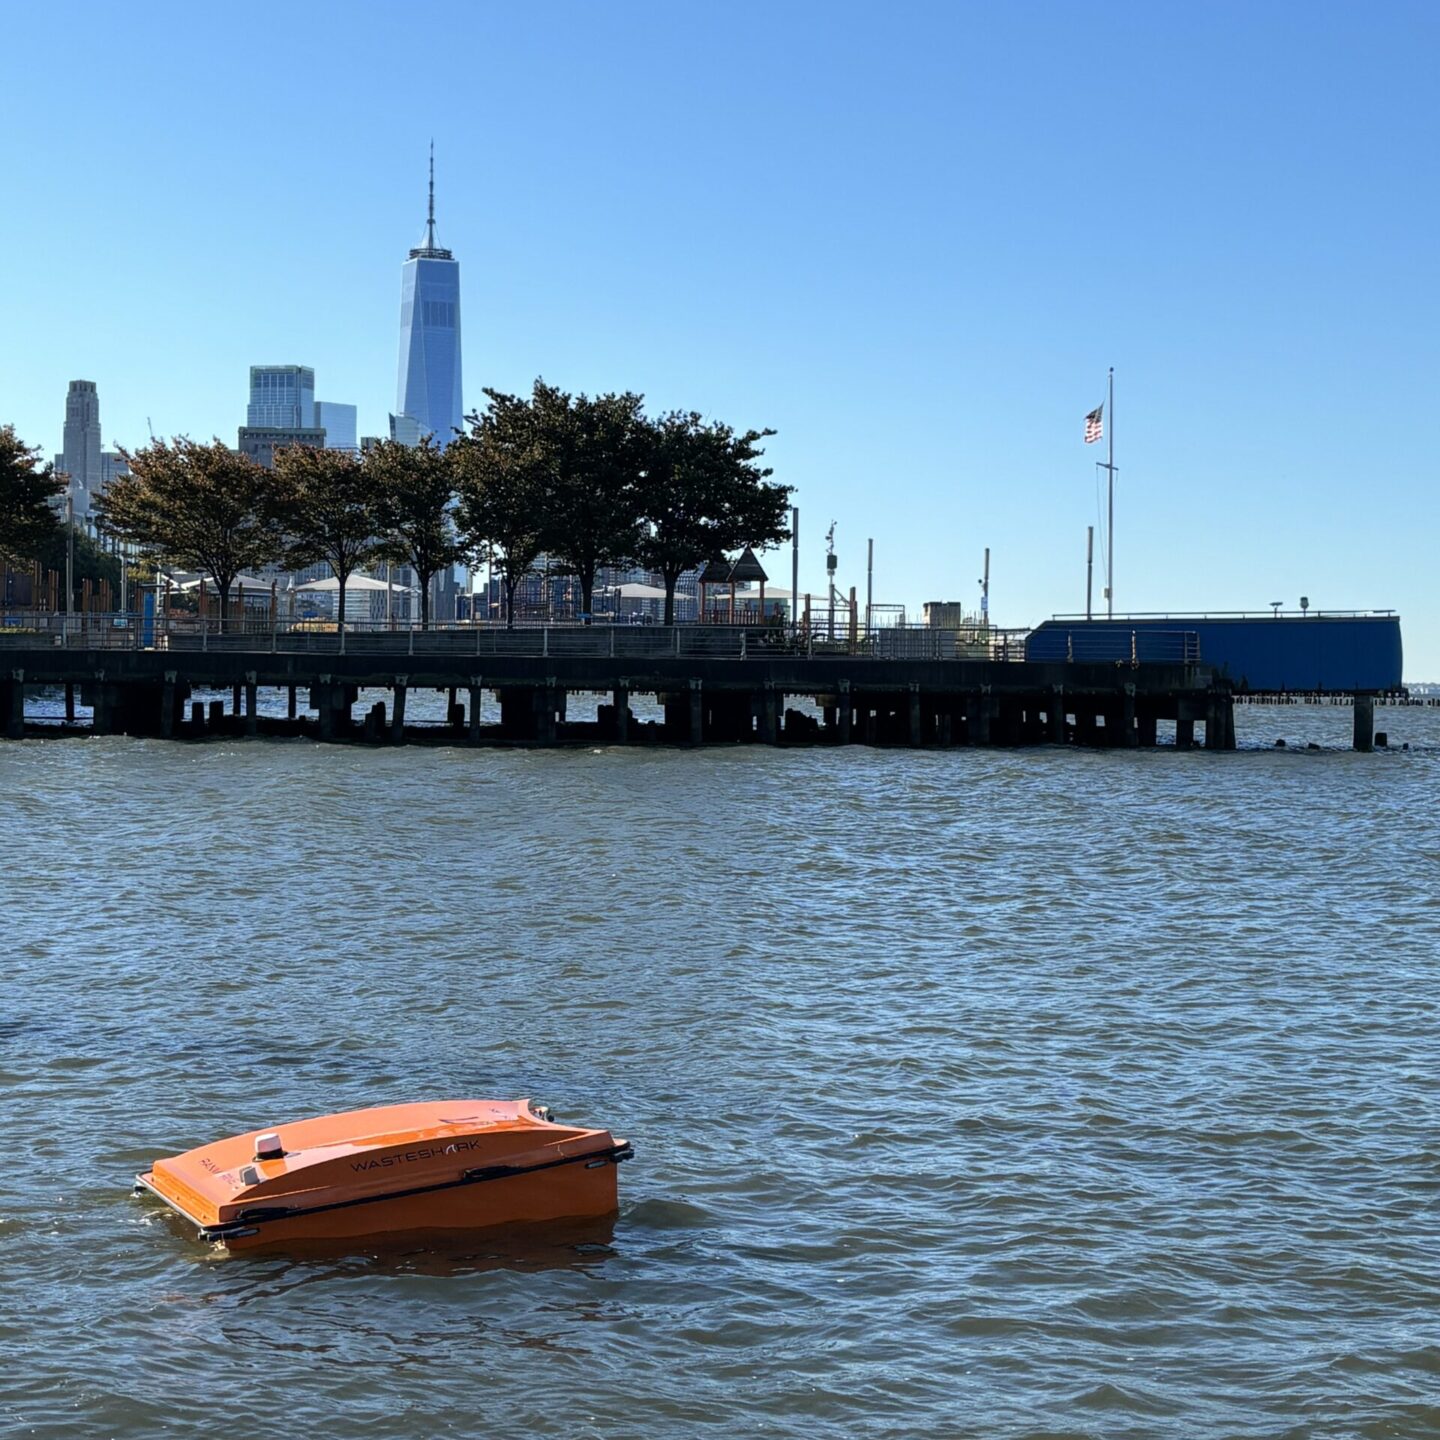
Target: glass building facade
(339, 424)
(429, 382)
(282, 396)
(428, 392)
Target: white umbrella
(636, 591)
(772, 592)
(355, 582)
(251, 582)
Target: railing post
(545, 641)
(1070, 647)
(676, 631)
(1134, 657)
(742, 644)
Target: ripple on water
(1043, 1094)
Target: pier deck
(736, 691)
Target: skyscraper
(429, 389)
(260, 442)
(83, 458)
(338, 422)
(282, 396)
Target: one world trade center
(428, 396)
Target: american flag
(1095, 425)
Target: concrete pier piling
(476, 694)
(169, 701)
(1129, 733)
(12, 702)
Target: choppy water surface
(973, 1093)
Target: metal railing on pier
(260, 633)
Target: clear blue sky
(909, 237)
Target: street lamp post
(69, 559)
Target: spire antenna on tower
(430, 250)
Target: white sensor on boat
(268, 1146)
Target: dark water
(977, 1093)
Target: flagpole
(1110, 524)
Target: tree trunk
(672, 579)
(222, 595)
(342, 577)
(424, 598)
(510, 584)
(587, 589)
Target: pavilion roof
(748, 568)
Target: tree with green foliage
(596, 447)
(197, 506)
(89, 561)
(29, 493)
(702, 494)
(331, 503)
(502, 474)
(415, 485)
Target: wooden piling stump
(397, 709)
(621, 696)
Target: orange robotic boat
(398, 1169)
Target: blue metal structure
(1339, 653)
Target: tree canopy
(702, 494)
(330, 503)
(29, 492)
(87, 560)
(415, 490)
(592, 480)
(201, 507)
(595, 450)
(503, 475)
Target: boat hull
(395, 1171)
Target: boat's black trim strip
(246, 1220)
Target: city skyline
(916, 273)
